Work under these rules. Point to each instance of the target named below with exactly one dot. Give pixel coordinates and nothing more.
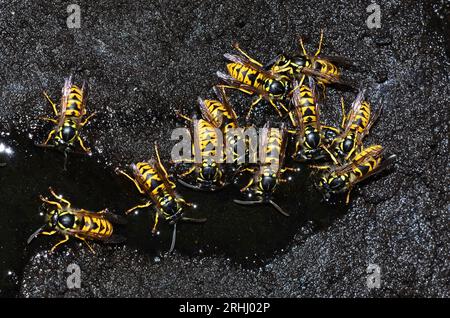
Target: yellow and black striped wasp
(356, 126)
(342, 178)
(322, 68)
(305, 117)
(267, 175)
(207, 163)
(220, 114)
(70, 119)
(249, 76)
(152, 180)
(83, 224)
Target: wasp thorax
(312, 139)
(66, 220)
(268, 183)
(276, 88)
(298, 60)
(347, 145)
(68, 133)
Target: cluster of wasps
(294, 86)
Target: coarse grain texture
(145, 59)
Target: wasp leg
(320, 43)
(87, 119)
(59, 197)
(319, 167)
(344, 117)
(155, 225)
(282, 106)
(49, 137)
(251, 107)
(186, 173)
(55, 110)
(49, 119)
(132, 179)
(141, 206)
(248, 185)
(66, 238)
(162, 167)
(330, 154)
(84, 240)
(289, 169)
(303, 47)
(236, 46)
(48, 233)
(238, 88)
(85, 149)
(179, 114)
(347, 199)
(185, 203)
(58, 205)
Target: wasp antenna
(174, 237)
(278, 208)
(65, 160)
(35, 233)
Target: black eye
(276, 88)
(337, 183)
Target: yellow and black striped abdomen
(362, 118)
(326, 67)
(366, 161)
(307, 106)
(149, 178)
(273, 151)
(218, 110)
(74, 107)
(246, 75)
(208, 139)
(94, 227)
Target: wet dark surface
(143, 61)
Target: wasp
(305, 118)
(356, 126)
(207, 148)
(249, 76)
(267, 174)
(83, 224)
(340, 179)
(70, 119)
(222, 116)
(322, 68)
(152, 180)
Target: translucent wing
(222, 96)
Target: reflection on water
(246, 235)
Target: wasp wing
(206, 114)
(223, 98)
(65, 99)
(354, 110)
(323, 76)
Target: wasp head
(333, 184)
